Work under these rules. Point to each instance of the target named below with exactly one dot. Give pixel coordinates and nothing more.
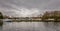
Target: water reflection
(1, 24)
(52, 26)
(1, 28)
(30, 26)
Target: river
(30, 26)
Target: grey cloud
(54, 4)
(11, 6)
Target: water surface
(30, 26)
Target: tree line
(51, 15)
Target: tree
(1, 16)
(45, 16)
(51, 15)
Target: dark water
(30, 26)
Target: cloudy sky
(27, 7)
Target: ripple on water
(31, 26)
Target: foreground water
(30, 26)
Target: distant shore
(18, 20)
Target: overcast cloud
(27, 7)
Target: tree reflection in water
(52, 26)
(1, 27)
(1, 22)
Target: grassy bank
(33, 21)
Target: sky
(24, 8)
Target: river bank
(19, 20)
